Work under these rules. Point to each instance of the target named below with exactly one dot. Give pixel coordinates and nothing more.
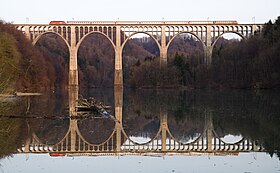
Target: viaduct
(119, 32)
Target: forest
(22, 66)
(246, 64)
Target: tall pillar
(73, 66)
(163, 123)
(208, 51)
(118, 93)
(118, 59)
(163, 48)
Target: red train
(57, 23)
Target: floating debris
(91, 108)
(91, 104)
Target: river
(149, 131)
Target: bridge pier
(73, 64)
(163, 55)
(163, 49)
(118, 77)
(208, 55)
(208, 47)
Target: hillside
(23, 68)
(251, 63)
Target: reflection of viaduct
(119, 142)
(118, 33)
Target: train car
(57, 23)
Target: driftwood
(90, 104)
(91, 108)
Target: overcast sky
(36, 11)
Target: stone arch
(93, 32)
(140, 32)
(80, 135)
(102, 36)
(106, 136)
(187, 135)
(186, 32)
(227, 32)
(44, 138)
(157, 134)
(51, 32)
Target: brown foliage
(34, 71)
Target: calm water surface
(149, 131)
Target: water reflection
(148, 122)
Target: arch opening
(185, 54)
(96, 130)
(223, 44)
(96, 58)
(141, 120)
(184, 125)
(52, 128)
(56, 54)
(140, 60)
(141, 129)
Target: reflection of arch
(199, 144)
(187, 143)
(243, 144)
(227, 32)
(51, 32)
(139, 32)
(158, 144)
(95, 131)
(79, 143)
(100, 144)
(41, 131)
(142, 144)
(186, 32)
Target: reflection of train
(56, 154)
(222, 22)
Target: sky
(42, 12)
